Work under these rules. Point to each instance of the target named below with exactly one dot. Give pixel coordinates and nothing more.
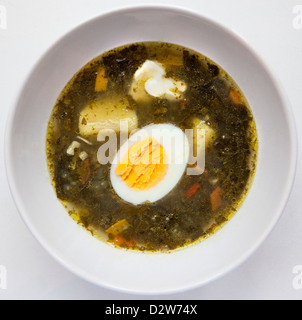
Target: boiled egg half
(150, 163)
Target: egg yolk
(144, 165)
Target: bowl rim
(12, 183)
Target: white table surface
(32, 26)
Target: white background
(32, 26)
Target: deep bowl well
(129, 271)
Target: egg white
(176, 146)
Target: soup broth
(143, 85)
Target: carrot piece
(216, 198)
(119, 240)
(192, 190)
(235, 96)
(131, 243)
(101, 81)
(85, 171)
(183, 103)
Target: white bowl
(135, 272)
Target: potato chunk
(106, 113)
(202, 129)
(169, 57)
